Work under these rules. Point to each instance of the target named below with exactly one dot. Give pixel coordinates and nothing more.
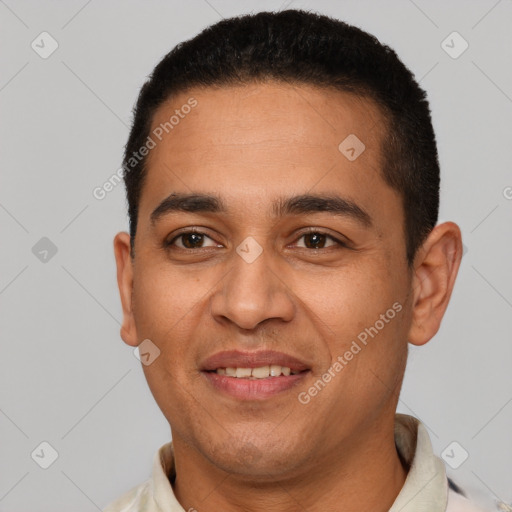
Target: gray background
(67, 378)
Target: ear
(435, 269)
(125, 283)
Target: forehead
(256, 142)
(269, 115)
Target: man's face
(254, 280)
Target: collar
(426, 486)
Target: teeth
(262, 372)
(243, 372)
(275, 370)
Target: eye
(190, 240)
(194, 239)
(316, 239)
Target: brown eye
(317, 240)
(190, 240)
(313, 240)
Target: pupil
(195, 236)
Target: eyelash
(340, 245)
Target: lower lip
(253, 389)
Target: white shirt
(425, 488)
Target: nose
(252, 293)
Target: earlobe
(436, 267)
(125, 283)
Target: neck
(360, 474)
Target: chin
(260, 461)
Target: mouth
(262, 372)
(253, 375)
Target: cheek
(348, 300)
(165, 309)
(163, 299)
(362, 317)
(170, 307)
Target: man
(283, 191)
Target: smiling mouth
(254, 384)
(262, 372)
(254, 375)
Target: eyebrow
(295, 205)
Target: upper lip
(246, 359)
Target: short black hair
(303, 47)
